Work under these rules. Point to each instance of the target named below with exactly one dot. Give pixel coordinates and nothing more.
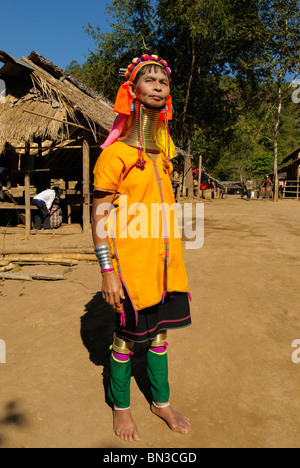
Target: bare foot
(124, 426)
(176, 421)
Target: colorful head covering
(124, 105)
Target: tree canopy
(228, 60)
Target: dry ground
(231, 371)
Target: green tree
(277, 58)
(227, 57)
(132, 33)
(253, 132)
(260, 165)
(196, 38)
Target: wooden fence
(290, 189)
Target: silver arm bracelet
(103, 253)
(105, 247)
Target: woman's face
(152, 89)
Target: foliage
(227, 58)
(261, 164)
(131, 23)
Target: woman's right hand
(112, 290)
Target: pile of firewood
(9, 263)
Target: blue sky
(53, 28)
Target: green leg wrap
(119, 386)
(157, 367)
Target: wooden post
(184, 175)
(27, 190)
(199, 176)
(298, 179)
(86, 185)
(188, 183)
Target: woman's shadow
(97, 328)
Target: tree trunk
(188, 178)
(276, 132)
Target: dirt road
(231, 371)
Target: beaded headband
(138, 62)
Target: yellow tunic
(147, 247)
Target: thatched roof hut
(49, 121)
(35, 87)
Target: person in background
(268, 187)
(44, 201)
(249, 187)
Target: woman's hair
(147, 69)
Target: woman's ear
(131, 91)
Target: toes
(183, 426)
(184, 429)
(128, 436)
(180, 428)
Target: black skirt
(173, 313)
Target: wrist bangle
(108, 269)
(98, 248)
(104, 256)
